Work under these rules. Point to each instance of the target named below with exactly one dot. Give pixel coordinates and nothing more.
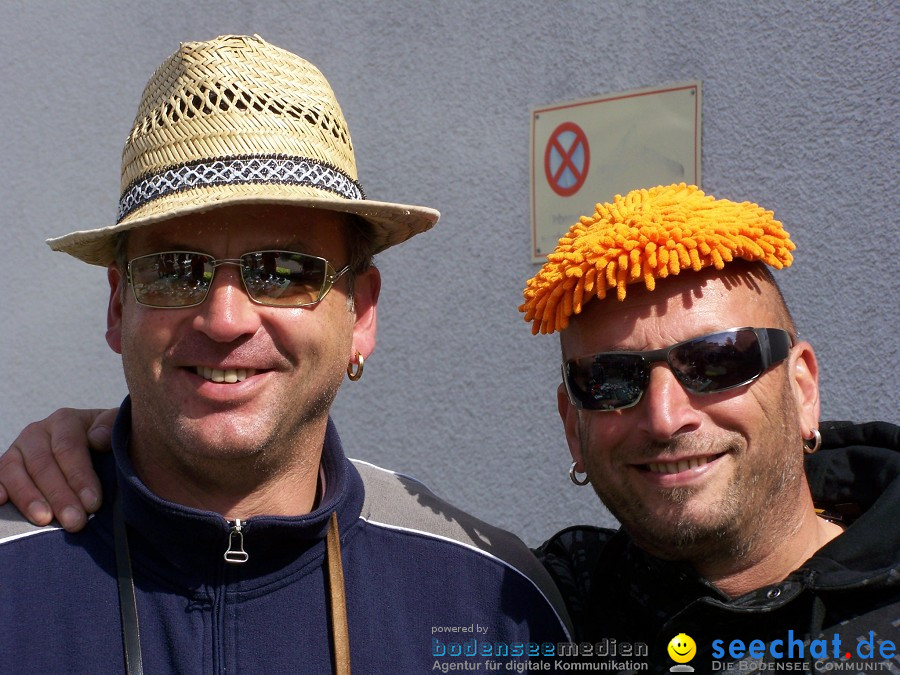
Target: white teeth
(229, 376)
(677, 467)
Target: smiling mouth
(226, 376)
(678, 467)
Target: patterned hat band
(243, 170)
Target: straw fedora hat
(237, 120)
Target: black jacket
(847, 594)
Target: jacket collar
(856, 475)
(166, 535)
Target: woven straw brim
(391, 224)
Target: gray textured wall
(799, 114)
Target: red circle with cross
(567, 159)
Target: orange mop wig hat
(644, 236)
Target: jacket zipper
(236, 554)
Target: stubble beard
(266, 447)
(729, 529)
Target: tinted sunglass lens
(608, 381)
(717, 362)
(172, 279)
(284, 279)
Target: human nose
(666, 408)
(227, 313)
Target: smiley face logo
(682, 648)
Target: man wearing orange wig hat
(236, 535)
(689, 404)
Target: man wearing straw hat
(689, 404)
(235, 534)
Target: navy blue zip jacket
(423, 580)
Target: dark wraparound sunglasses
(272, 278)
(703, 365)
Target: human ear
(366, 289)
(114, 310)
(569, 415)
(804, 373)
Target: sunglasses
(271, 278)
(703, 365)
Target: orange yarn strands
(644, 236)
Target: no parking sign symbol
(585, 152)
(567, 159)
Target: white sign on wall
(585, 152)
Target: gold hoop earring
(573, 476)
(355, 374)
(811, 445)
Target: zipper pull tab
(236, 553)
